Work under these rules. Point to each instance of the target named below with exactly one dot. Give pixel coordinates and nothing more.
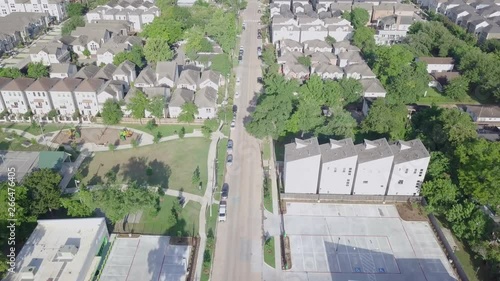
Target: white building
(86, 96)
(179, 97)
(302, 166)
(62, 249)
(411, 160)
(38, 95)
(206, 101)
(438, 64)
(14, 96)
(55, 8)
(375, 160)
(338, 167)
(484, 113)
(62, 96)
(62, 70)
(50, 53)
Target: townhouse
(341, 167)
(3, 81)
(54, 8)
(17, 28)
(62, 70)
(38, 95)
(14, 97)
(62, 96)
(117, 44)
(435, 64)
(50, 53)
(484, 114)
(179, 97)
(86, 96)
(393, 29)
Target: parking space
(359, 242)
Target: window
(415, 171)
(45, 6)
(365, 182)
(406, 171)
(334, 170)
(343, 170)
(4, 11)
(209, 110)
(400, 182)
(421, 172)
(350, 171)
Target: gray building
(302, 166)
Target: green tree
(408, 86)
(76, 208)
(86, 53)
(166, 29)
(457, 89)
(195, 179)
(306, 118)
(22, 204)
(182, 133)
(137, 105)
(156, 50)
(351, 90)
(10, 72)
(75, 9)
(467, 222)
(441, 195)
(222, 28)
(72, 24)
(358, 17)
(330, 40)
(221, 64)
(363, 38)
(305, 61)
(209, 126)
(189, 110)
(393, 125)
(439, 166)
(340, 125)
(135, 55)
(43, 191)
(157, 107)
(111, 112)
(390, 62)
(37, 70)
(196, 41)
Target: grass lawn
(165, 130)
(269, 253)
(35, 129)
(16, 144)
(210, 247)
(187, 223)
(169, 165)
(221, 161)
(268, 194)
(266, 150)
(434, 96)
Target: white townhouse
(338, 167)
(38, 95)
(125, 72)
(86, 96)
(437, 64)
(179, 98)
(302, 166)
(484, 113)
(375, 160)
(50, 53)
(189, 79)
(206, 101)
(62, 96)
(113, 89)
(3, 81)
(155, 92)
(54, 8)
(14, 96)
(359, 71)
(411, 160)
(210, 78)
(62, 70)
(372, 88)
(167, 73)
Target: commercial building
(373, 167)
(65, 249)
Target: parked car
(244, 26)
(229, 160)
(259, 36)
(222, 211)
(233, 125)
(240, 59)
(236, 95)
(235, 108)
(224, 191)
(237, 80)
(229, 146)
(259, 80)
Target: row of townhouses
(303, 21)
(342, 60)
(341, 167)
(478, 17)
(69, 91)
(20, 28)
(138, 13)
(54, 8)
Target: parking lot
(358, 242)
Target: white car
(236, 95)
(233, 124)
(237, 80)
(222, 211)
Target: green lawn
(269, 254)
(221, 162)
(266, 150)
(268, 194)
(165, 130)
(169, 165)
(187, 223)
(434, 96)
(210, 247)
(16, 143)
(34, 129)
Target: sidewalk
(212, 155)
(41, 139)
(70, 171)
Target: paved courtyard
(146, 258)
(359, 242)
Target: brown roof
(485, 111)
(434, 60)
(445, 77)
(66, 85)
(4, 81)
(43, 84)
(18, 84)
(89, 85)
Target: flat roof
(23, 162)
(146, 258)
(373, 243)
(77, 236)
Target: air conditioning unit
(28, 273)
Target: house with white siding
(86, 96)
(155, 92)
(125, 72)
(38, 95)
(14, 96)
(327, 71)
(372, 88)
(167, 73)
(62, 70)
(113, 89)
(189, 79)
(210, 78)
(338, 167)
(411, 160)
(302, 164)
(484, 114)
(206, 101)
(178, 99)
(3, 81)
(359, 71)
(435, 64)
(349, 58)
(49, 53)
(62, 96)
(146, 78)
(375, 160)
(344, 46)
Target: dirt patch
(181, 241)
(128, 235)
(411, 212)
(283, 207)
(99, 136)
(287, 253)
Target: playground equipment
(125, 133)
(71, 133)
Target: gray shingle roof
(210, 75)
(316, 43)
(372, 86)
(166, 69)
(18, 84)
(189, 77)
(147, 76)
(301, 149)
(60, 67)
(125, 68)
(66, 85)
(106, 72)
(373, 150)
(405, 151)
(181, 96)
(361, 68)
(43, 84)
(4, 81)
(157, 91)
(88, 71)
(90, 85)
(337, 149)
(206, 97)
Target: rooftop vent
(67, 252)
(28, 273)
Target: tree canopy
(358, 17)
(393, 126)
(138, 104)
(43, 191)
(135, 55)
(189, 110)
(37, 70)
(156, 50)
(10, 72)
(111, 112)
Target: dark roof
(337, 149)
(52, 159)
(301, 149)
(434, 60)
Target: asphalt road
(238, 253)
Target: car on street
(222, 211)
(224, 191)
(235, 108)
(233, 125)
(244, 26)
(229, 160)
(240, 59)
(259, 80)
(259, 36)
(236, 95)
(237, 80)
(258, 11)
(229, 146)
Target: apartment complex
(62, 249)
(17, 28)
(54, 8)
(341, 167)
